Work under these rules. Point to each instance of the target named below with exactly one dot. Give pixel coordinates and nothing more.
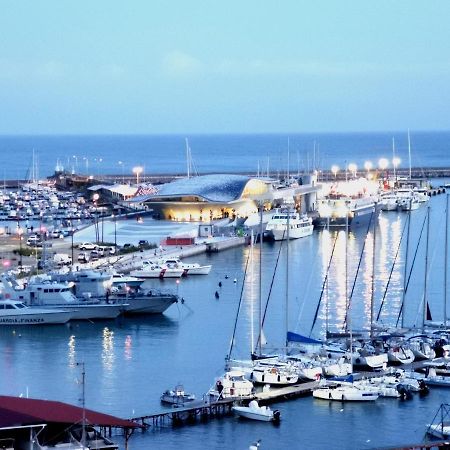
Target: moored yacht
(42, 293)
(334, 211)
(13, 312)
(299, 226)
(188, 268)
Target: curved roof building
(206, 197)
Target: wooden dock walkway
(203, 411)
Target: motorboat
(149, 271)
(410, 204)
(13, 312)
(388, 202)
(232, 384)
(343, 391)
(153, 269)
(177, 396)
(120, 279)
(40, 292)
(255, 412)
(439, 430)
(188, 268)
(299, 226)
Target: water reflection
(71, 352)
(128, 347)
(108, 349)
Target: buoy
(216, 294)
(235, 280)
(226, 277)
(255, 445)
(220, 284)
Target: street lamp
(19, 233)
(383, 163)
(335, 170)
(352, 167)
(137, 171)
(72, 231)
(123, 175)
(115, 232)
(95, 198)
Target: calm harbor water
(130, 362)
(97, 155)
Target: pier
(203, 412)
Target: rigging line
(270, 291)
(392, 269)
(411, 269)
(428, 271)
(323, 285)
(357, 269)
(239, 308)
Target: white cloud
(177, 63)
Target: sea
(250, 153)
(129, 362)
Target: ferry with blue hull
(334, 211)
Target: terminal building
(210, 197)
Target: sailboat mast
(426, 271)
(349, 308)
(409, 154)
(188, 158)
(393, 157)
(288, 162)
(372, 295)
(405, 274)
(286, 318)
(260, 274)
(446, 258)
(252, 330)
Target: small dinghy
(255, 412)
(177, 396)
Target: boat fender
(276, 415)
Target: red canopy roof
(26, 411)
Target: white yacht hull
(41, 317)
(439, 430)
(90, 311)
(375, 362)
(201, 270)
(147, 273)
(294, 233)
(248, 413)
(345, 393)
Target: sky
(159, 66)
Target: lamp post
(137, 171)
(95, 198)
(368, 166)
(335, 170)
(115, 233)
(72, 231)
(19, 233)
(352, 167)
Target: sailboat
(345, 390)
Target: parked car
(94, 255)
(83, 257)
(87, 246)
(34, 241)
(143, 243)
(57, 234)
(61, 259)
(112, 250)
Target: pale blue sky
(236, 66)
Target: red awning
(27, 411)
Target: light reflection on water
(130, 362)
